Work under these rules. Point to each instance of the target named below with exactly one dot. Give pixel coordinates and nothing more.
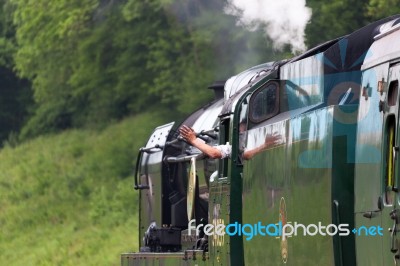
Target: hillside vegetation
(68, 199)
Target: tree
(333, 19)
(47, 34)
(15, 93)
(91, 62)
(377, 9)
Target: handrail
(139, 158)
(149, 149)
(182, 159)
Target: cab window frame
(253, 99)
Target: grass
(68, 199)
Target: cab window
(264, 103)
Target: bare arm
(270, 141)
(190, 136)
(248, 154)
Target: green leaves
(377, 9)
(333, 19)
(91, 62)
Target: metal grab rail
(139, 158)
(184, 158)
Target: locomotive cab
(164, 177)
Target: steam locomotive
(322, 184)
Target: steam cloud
(284, 20)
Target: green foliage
(68, 199)
(47, 35)
(7, 32)
(377, 9)
(93, 62)
(333, 19)
(15, 93)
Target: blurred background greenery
(82, 85)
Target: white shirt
(225, 150)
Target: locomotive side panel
(289, 183)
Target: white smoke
(284, 20)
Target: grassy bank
(68, 199)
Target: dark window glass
(393, 91)
(264, 103)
